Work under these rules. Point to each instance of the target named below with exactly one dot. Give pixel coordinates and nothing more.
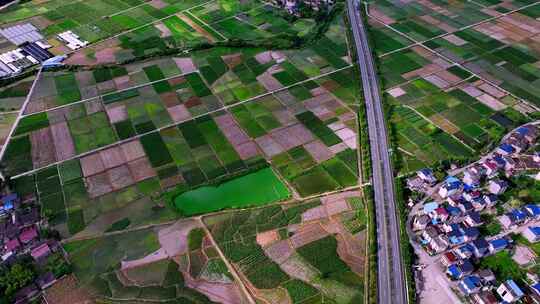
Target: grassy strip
(407, 251)
(372, 243)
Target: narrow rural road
(392, 287)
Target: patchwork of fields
(98, 147)
(259, 145)
(181, 166)
(457, 75)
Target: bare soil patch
(217, 292)
(117, 113)
(318, 151)
(268, 237)
(62, 141)
(98, 184)
(141, 169)
(132, 150)
(92, 164)
(179, 113)
(269, 146)
(186, 65)
(120, 177)
(43, 151)
(67, 291)
(308, 233)
(112, 157)
(279, 251)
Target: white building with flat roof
(72, 40)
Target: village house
(471, 178)
(509, 291)
(40, 252)
(535, 291)
(465, 207)
(28, 235)
(478, 203)
(510, 163)
(505, 149)
(473, 219)
(429, 234)
(501, 163)
(490, 200)
(439, 244)
(532, 234)
(416, 184)
(486, 276)
(470, 196)
(532, 210)
(421, 221)
(449, 258)
(455, 199)
(470, 233)
(513, 219)
(439, 215)
(497, 186)
(491, 167)
(454, 213)
(427, 176)
(459, 270)
(480, 247)
(451, 185)
(456, 237)
(485, 297)
(497, 245)
(517, 142)
(465, 251)
(470, 284)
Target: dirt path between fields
(197, 27)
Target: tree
(16, 278)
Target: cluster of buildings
(22, 46)
(20, 237)
(293, 6)
(30, 49)
(449, 225)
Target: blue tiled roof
(453, 185)
(533, 209)
(454, 271)
(535, 230)
(518, 292)
(472, 232)
(471, 282)
(507, 148)
(499, 160)
(426, 171)
(522, 131)
(429, 207)
(453, 210)
(499, 243)
(451, 179)
(466, 266)
(518, 214)
(480, 243)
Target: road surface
(392, 288)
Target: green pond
(254, 189)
